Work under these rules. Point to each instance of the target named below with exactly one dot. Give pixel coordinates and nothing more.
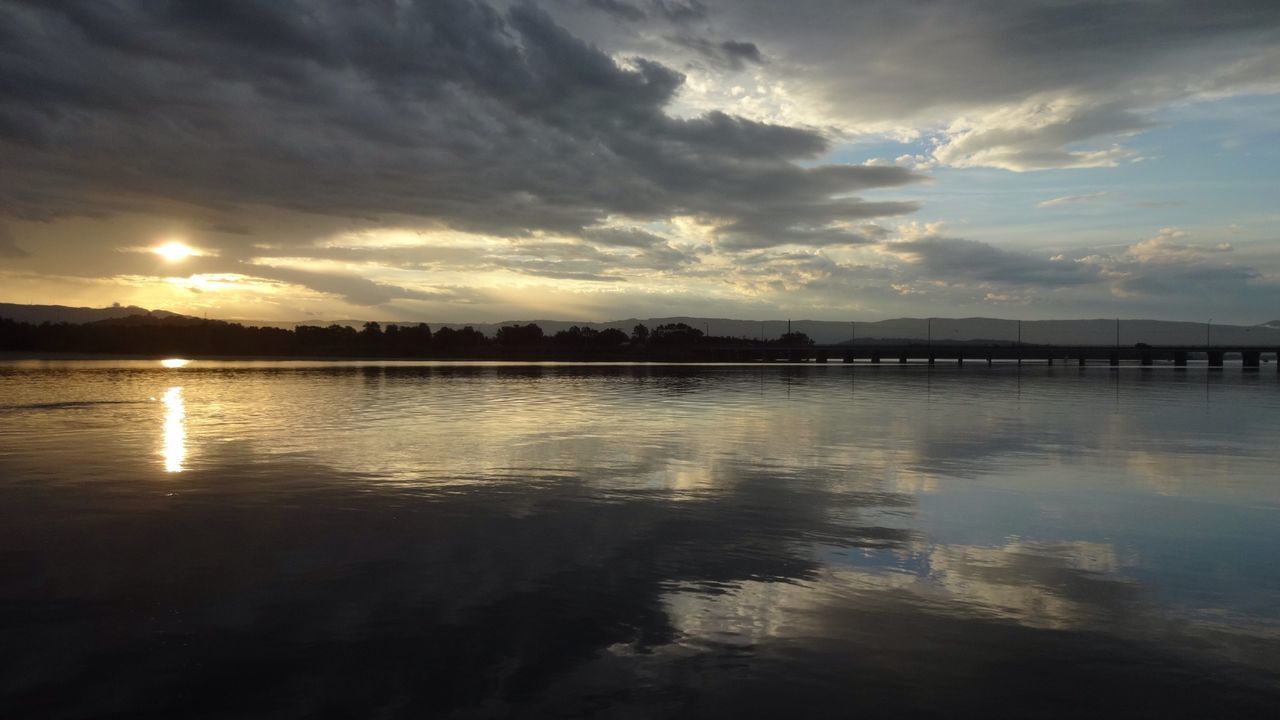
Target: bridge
(1250, 356)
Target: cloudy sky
(598, 159)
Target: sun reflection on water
(175, 430)
(175, 362)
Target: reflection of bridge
(1250, 355)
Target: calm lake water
(277, 539)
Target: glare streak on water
(427, 538)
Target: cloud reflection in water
(714, 542)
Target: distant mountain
(942, 330)
(77, 315)
(156, 318)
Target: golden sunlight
(175, 251)
(175, 430)
(174, 362)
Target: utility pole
(1208, 330)
(929, 332)
(853, 326)
(1019, 352)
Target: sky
(459, 160)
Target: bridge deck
(1250, 355)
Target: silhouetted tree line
(144, 335)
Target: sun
(174, 251)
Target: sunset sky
(450, 160)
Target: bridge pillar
(1114, 358)
(1251, 359)
(1215, 358)
(1179, 358)
(1147, 358)
(848, 356)
(875, 357)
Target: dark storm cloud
(8, 246)
(569, 260)
(976, 51)
(559, 271)
(744, 51)
(1196, 279)
(607, 256)
(1172, 265)
(228, 228)
(974, 261)
(1146, 274)
(623, 237)
(807, 224)
(719, 133)
(485, 121)
(677, 11)
(619, 8)
(734, 54)
(409, 257)
(1030, 81)
(352, 288)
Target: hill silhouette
(63, 313)
(149, 335)
(133, 330)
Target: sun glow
(175, 430)
(174, 251)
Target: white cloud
(1031, 85)
(1166, 247)
(1040, 134)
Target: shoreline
(13, 356)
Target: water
(416, 540)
